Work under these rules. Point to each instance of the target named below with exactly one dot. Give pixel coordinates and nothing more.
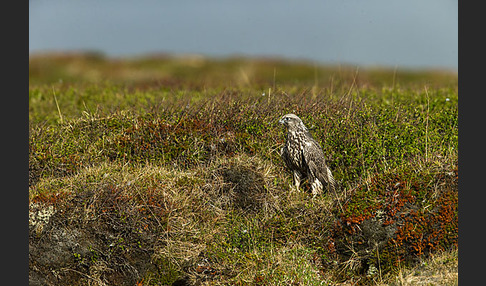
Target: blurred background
(386, 33)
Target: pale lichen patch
(39, 216)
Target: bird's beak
(281, 121)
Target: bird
(304, 156)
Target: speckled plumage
(304, 156)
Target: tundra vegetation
(165, 170)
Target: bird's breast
(293, 150)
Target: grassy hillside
(166, 171)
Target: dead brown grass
(439, 269)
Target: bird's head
(291, 121)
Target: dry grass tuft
(440, 268)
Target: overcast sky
(405, 34)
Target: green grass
(169, 170)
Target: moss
(166, 274)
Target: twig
(354, 81)
(379, 264)
(80, 273)
(57, 105)
(353, 84)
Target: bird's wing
(314, 157)
(284, 153)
